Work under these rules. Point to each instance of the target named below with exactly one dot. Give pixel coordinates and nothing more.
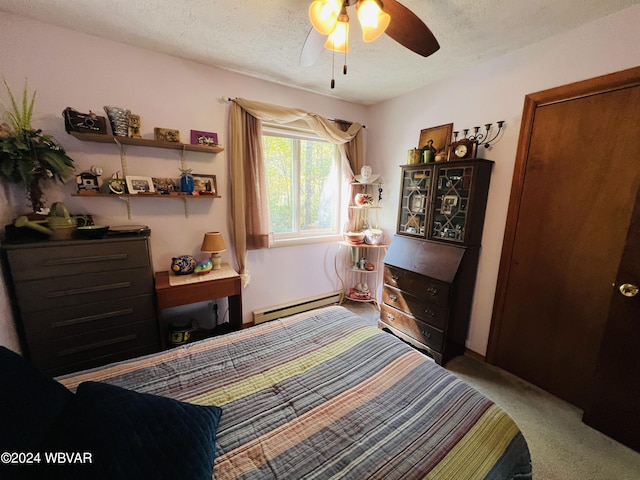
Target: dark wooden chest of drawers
(427, 294)
(81, 304)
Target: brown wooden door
(575, 183)
(613, 403)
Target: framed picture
(166, 185)
(448, 202)
(205, 184)
(417, 203)
(137, 185)
(166, 135)
(204, 138)
(440, 136)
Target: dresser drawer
(49, 293)
(430, 313)
(429, 289)
(56, 323)
(422, 332)
(77, 259)
(94, 348)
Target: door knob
(629, 290)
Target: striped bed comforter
(324, 395)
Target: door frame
(603, 84)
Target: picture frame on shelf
(440, 136)
(205, 184)
(137, 184)
(199, 137)
(166, 135)
(166, 186)
(417, 203)
(448, 203)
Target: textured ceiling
(264, 39)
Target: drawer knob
(426, 334)
(390, 317)
(433, 291)
(430, 313)
(393, 297)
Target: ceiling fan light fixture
(338, 40)
(373, 19)
(324, 15)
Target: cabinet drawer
(56, 323)
(430, 313)
(77, 259)
(422, 332)
(49, 293)
(74, 352)
(429, 289)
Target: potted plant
(28, 156)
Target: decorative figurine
(134, 126)
(187, 183)
(119, 119)
(203, 267)
(183, 265)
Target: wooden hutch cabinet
(430, 267)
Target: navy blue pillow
(131, 435)
(30, 402)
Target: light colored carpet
(562, 447)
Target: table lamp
(213, 243)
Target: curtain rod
(229, 99)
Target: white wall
(484, 94)
(84, 72)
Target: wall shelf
(144, 142)
(134, 195)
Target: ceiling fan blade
(312, 48)
(408, 30)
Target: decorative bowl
(354, 238)
(92, 231)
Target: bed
(320, 394)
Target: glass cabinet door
(414, 201)
(452, 196)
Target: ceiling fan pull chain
(344, 68)
(333, 68)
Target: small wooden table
(176, 290)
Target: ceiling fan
(329, 19)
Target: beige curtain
(353, 160)
(249, 209)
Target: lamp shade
(324, 15)
(213, 242)
(373, 19)
(338, 40)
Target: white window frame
(299, 237)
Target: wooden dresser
(82, 303)
(427, 294)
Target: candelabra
(481, 138)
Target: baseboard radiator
(298, 306)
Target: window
(303, 184)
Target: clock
(463, 149)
